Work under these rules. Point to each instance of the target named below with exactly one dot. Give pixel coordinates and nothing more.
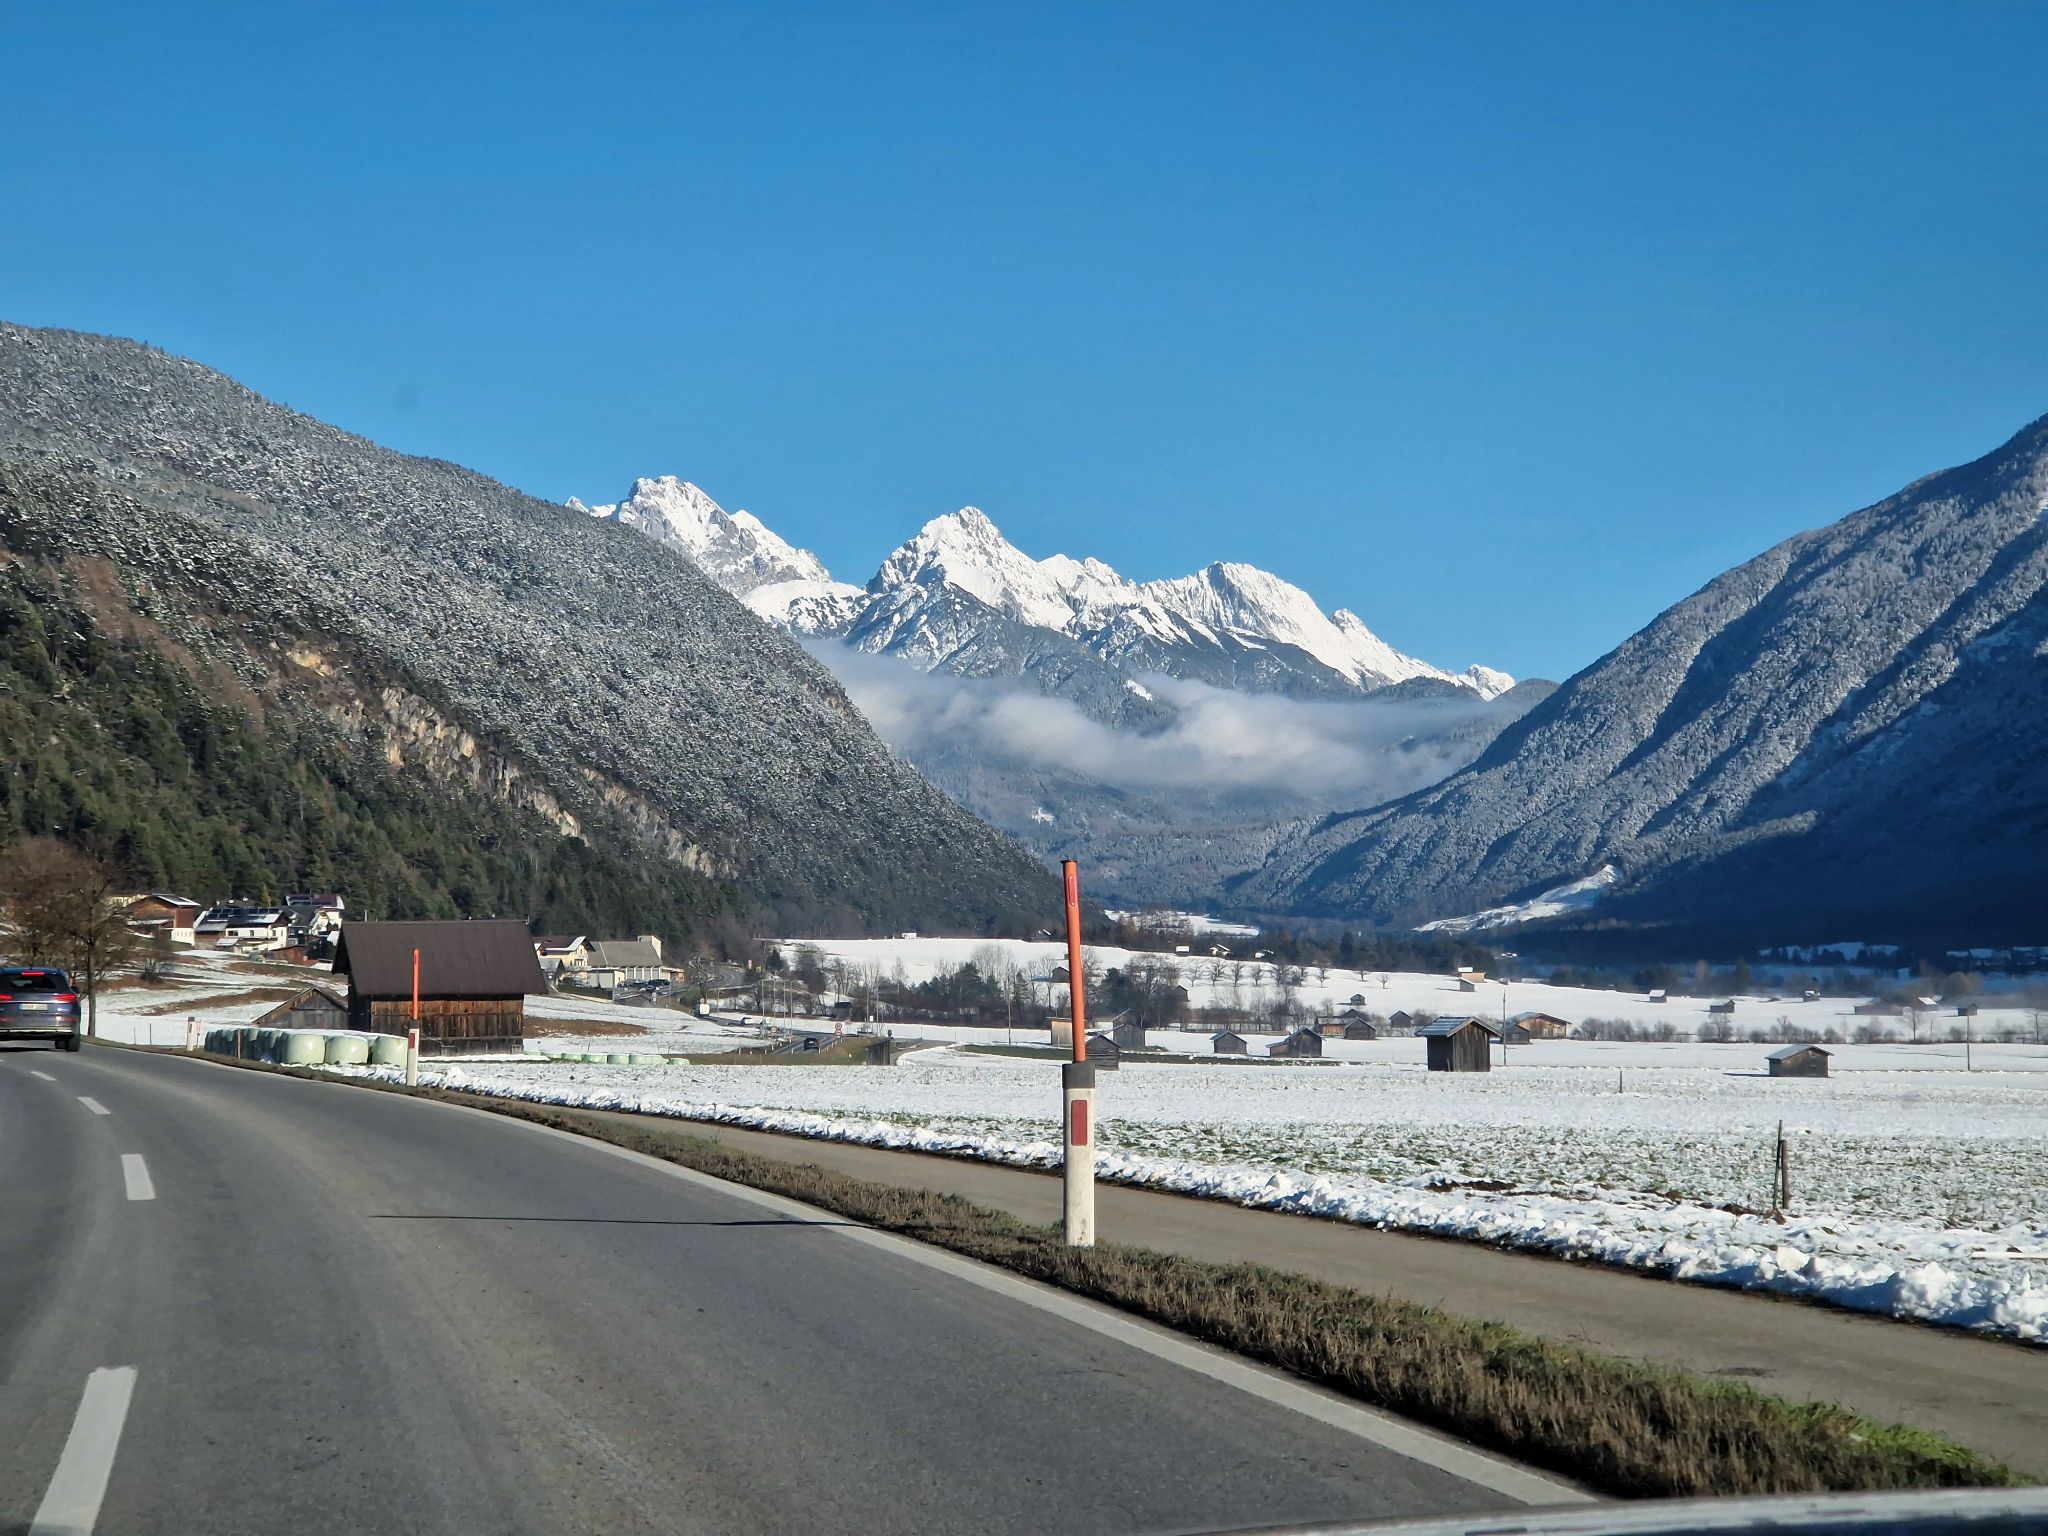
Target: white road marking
(94, 1105)
(136, 1172)
(71, 1505)
(32, 1072)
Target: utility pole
(1077, 1085)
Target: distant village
(466, 983)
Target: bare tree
(60, 908)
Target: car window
(34, 981)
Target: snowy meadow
(1919, 1188)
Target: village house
(1541, 1026)
(1459, 1044)
(473, 978)
(562, 956)
(241, 926)
(174, 917)
(622, 962)
(311, 913)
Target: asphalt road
(234, 1302)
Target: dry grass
(535, 1025)
(1614, 1425)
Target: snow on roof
(1452, 1026)
(1787, 1052)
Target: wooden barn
(1228, 1042)
(312, 1008)
(1402, 1022)
(1124, 1029)
(1541, 1026)
(1459, 1045)
(1360, 1028)
(1303, 1042)
(474, 981)
(1798, 1061)
(1105, 1052)
(1726, 1008)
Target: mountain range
(389, 670)
(1839, 739)
(1163, 732)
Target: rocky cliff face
(1840, 739)
(625, 695)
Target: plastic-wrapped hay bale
(618, 1059)
(347, 1050)
(302, 1048)
(269, 1044)
(647, 1061)
(388, 1050)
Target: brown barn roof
(481, 959)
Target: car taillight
(66, 997)
(6, 997)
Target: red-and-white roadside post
(412, 1035)
(1077, 1085)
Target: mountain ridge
(647, 703)
(1231, 624)
(1725, 756)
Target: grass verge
(1617, 1426)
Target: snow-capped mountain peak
(737, 550)
(1230, 624)
(966, 550)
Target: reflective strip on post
(1077, 1082)
(412, 1056)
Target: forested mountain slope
(1841, 739)
(479, 648)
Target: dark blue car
(38, 1004)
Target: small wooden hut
(1104, 1051)
(1798, 1061)
(474, 980)
(1228, 1042)
(311, 1008)
(1303, 1042)
(1360, 1028)
(1459, 1045)
(1541, 1026)
(1125, 1030)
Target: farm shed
(1228, 1042)
(1125, 1030)
(1104, 1051)
(1361, 1028)
(312, 1008)
(1402, 1022)
(1459, 1045)
(1542, 1026)
(474, 982)
(1726, 1008)
(1876, 1009)
(1303, 1042)
(1799, 1061)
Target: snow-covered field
(1919, 1189)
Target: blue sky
(1503, 325)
